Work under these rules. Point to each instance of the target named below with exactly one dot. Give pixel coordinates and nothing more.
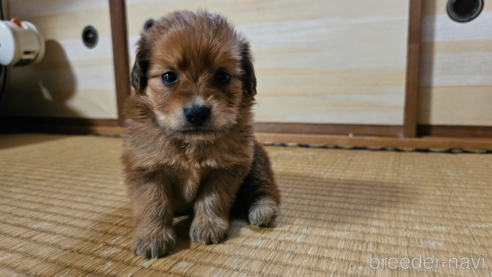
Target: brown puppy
(189, 144)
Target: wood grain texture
(72, 81)
(456, 68)
(318, 62)
(455, 131)
(413, 59)
(332, 129)
(120, 53)
(377, 142)
(464, 138)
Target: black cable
(1, 9)
(4, 82)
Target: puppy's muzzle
(197, 115)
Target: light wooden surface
(72, 80)
(456, 68)
(443, 143)
(317, 61)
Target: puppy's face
(197, 74)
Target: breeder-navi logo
(463, 263)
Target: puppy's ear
(248, 76)
(149, 23)
(141, 65)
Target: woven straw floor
(64, 212)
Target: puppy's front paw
(208, 230)
(262, 212)
(155, 245)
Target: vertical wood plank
(120, 54)
(413, 59)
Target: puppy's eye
(169, 78)
(222, 78)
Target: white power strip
(20, 43)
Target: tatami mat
(64, 212)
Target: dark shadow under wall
(37, 96)
(41, 90)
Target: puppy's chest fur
(184, 189)
(191, 171)
(184, 167)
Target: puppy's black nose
(197, 115)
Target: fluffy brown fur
(173, 167)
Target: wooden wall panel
(336, 61)
(72, 80)
(456, 68)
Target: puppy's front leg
(213, 204)
(153, 235)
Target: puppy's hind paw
(154, 246)
(262, 212)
